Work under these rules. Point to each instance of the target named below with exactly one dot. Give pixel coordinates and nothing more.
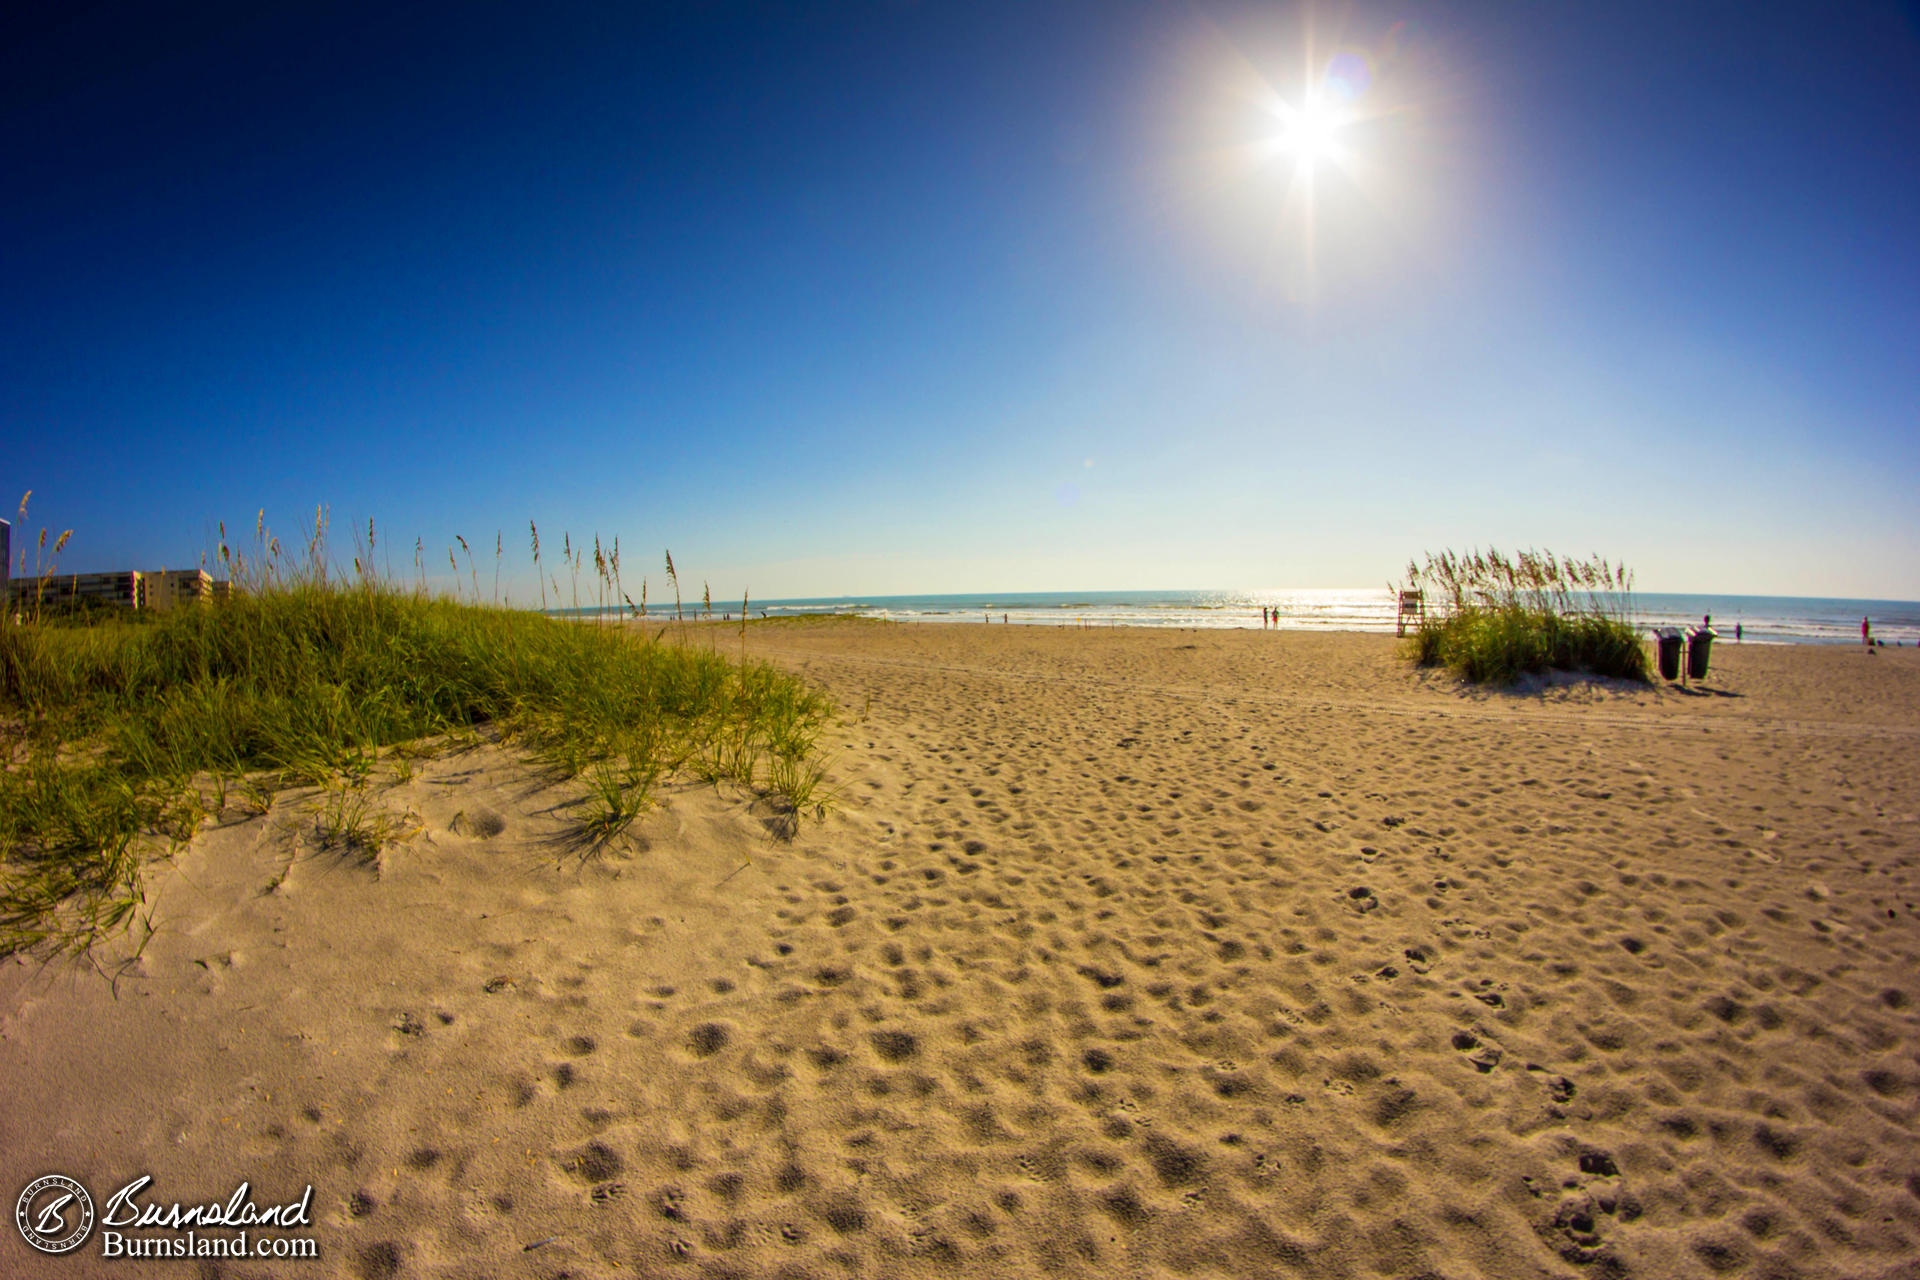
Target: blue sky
(865, 297)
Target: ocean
(1761, 619)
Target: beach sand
(1124, 953)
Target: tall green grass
(117, 735)
(1494, 618)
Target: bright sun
(1310, 132)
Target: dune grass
(1495, 618)
(119, 732)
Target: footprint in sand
(894, 1046)
(1576, 1222)
(1598, 1164)
(594, 1163)
(1488, 995)
(1560, 1089)
(708, 1039)
(1484, 1057)
(380, 1261)
(483, 824)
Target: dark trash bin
(1666, 641)
(1699, 646)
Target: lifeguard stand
(1413, 604)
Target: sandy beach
(1123, 953)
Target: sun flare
(1309, 132)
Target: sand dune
(1125, 953)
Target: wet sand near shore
(1124, 952)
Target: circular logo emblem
(55, 1214)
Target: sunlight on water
(1761, 619)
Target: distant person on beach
(1866, 632)
(1736, 633)
(1263, 617)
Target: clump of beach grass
(619, 791)
(351, 822)
(117, 738)
(1494, 618)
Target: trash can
(1666, 641)
(1699, 645)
